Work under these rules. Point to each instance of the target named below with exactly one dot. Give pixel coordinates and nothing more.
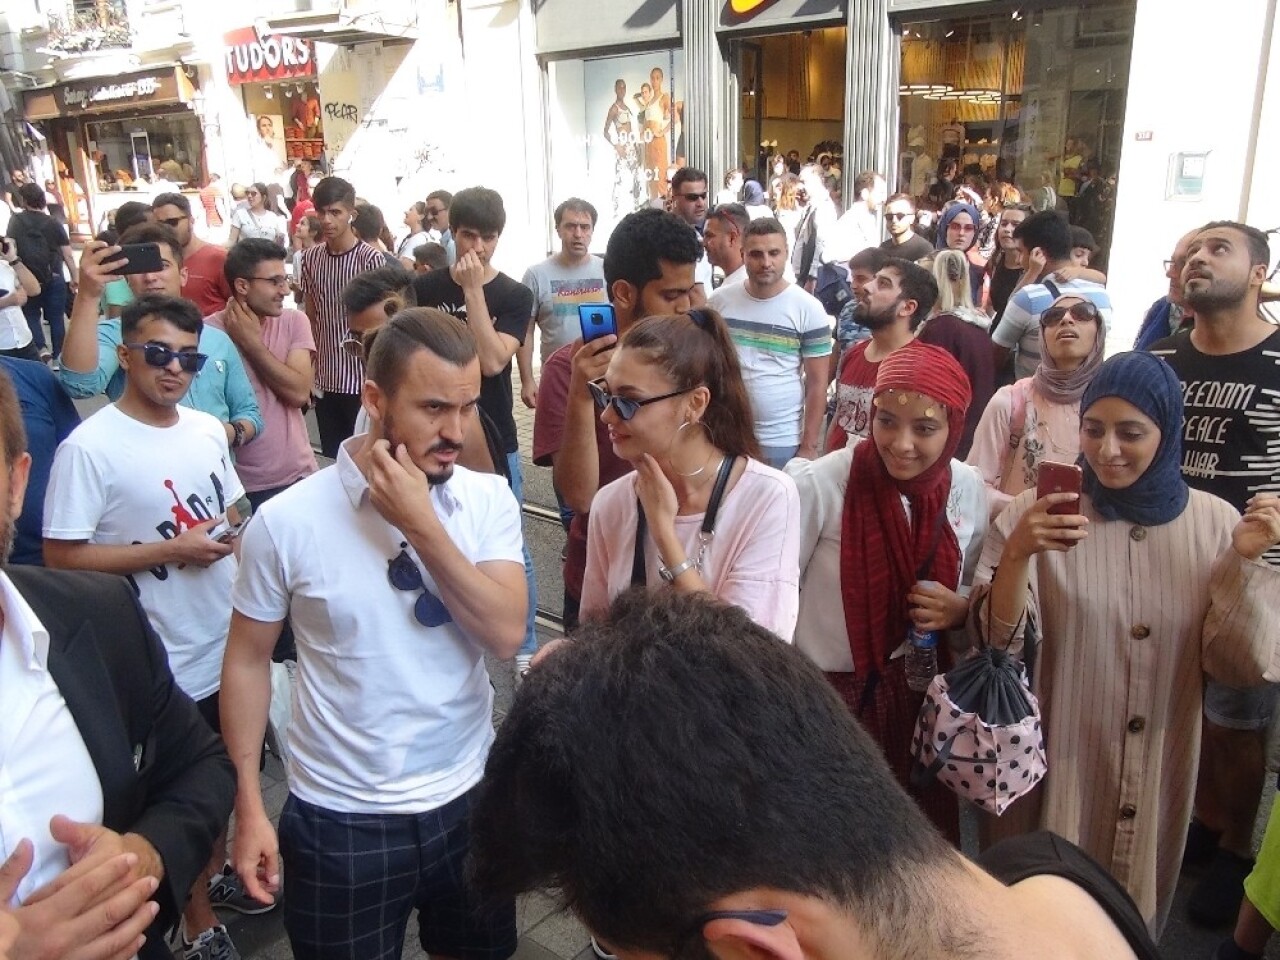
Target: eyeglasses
(898, 216)
(961, 227)
(279, 282)
(1084, 311)
(435, 211)
(429, 610)
(761, 918)
(158, 355)
(624, 407)
(693, 196)
(173, 221)
(1172, 264)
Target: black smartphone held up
(1060, 478)
(143, 258)
(597, 320)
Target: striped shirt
(324, 274)
(774, 337)
(1130, 622)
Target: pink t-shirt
(753, 561)
(282, 454)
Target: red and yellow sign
(253, 58)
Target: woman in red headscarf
(894, 527)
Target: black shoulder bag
(707, 532)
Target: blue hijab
(1159, 495)
(950, 214)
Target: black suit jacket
(114, 675)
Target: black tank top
(1037, 854)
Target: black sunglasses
(429, 610)
(624, 407)
(1084, 311)
(693, 196)
(172, 221)
(898, 216)
(158, 355)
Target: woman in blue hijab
(1142, 588)
(958, 230)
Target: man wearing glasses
(205, 285)
(145, 489)
(279, 351)
(90, 356)
(438, 204)
(900, 219)
(399, 570)
(689, 203)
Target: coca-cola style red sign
(252, 58)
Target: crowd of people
(793, 451)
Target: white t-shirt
(14, 332)
(389, 716)
(267, 225)
(118, 481)
(557, 292)
(773, 338)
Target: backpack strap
(1017, 422)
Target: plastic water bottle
(921, 659)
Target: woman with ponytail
(891, 530)
(701, 512)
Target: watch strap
(669, 574)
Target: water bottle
(921, 659)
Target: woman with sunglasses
(1142, 588)
(1038, 418)
(256, 220)
(701, 512)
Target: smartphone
(1060, 478)
(224, 531)
(597, 320)
(143, 258)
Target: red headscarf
(881, 553)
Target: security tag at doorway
(1186, 175)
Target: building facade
(545, 99)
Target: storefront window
(617, 131)
(792, 87)
(287, 127)
(132, 154)
(1032, 97)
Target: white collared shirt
(45, 767)
(389, 716)
(14, 331)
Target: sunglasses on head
(624, 407)
(158, 355)
(429, 610)
(1084, 311)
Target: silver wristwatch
(670, 574)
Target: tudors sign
(252, 58)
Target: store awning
(343, 27)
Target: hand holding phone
(1061, 478)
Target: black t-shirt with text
(510, 305)
(1231, 411)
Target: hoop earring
(675, 436)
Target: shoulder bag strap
(638, 575)
(638, 578)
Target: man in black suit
(86, 681)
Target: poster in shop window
(634, 120)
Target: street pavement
(545, 932)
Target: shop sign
(86, 96)
(801, 14)
(253, 58)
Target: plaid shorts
(352, 879)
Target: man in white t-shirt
(783, 338)
(136, 490)
(722, 240)
(559, 284)
(415, 573)
(859, 226)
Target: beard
(1218, 295)
(433, 479)
(872, 319)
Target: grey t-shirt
(557, 291)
